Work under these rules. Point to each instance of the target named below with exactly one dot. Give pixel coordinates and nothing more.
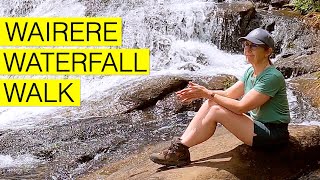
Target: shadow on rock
(290, 161)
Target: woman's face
(254, 52)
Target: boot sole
(166, 163)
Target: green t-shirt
(270, 82)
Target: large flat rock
(225, 157)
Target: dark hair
(266, 47)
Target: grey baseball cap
(259, 36)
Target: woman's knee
(208, 104)
(215, 112)
(216, 109)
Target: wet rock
(263, 6)
(135, 95)
(171, 104)
(94, 7)
(85, 158)
(262, 1)
(279, 3)
(289, 6)
(291, 34)
(59, 150)
(144, 95)
(217, 23)
(19, 8)
(47, 154)
(286, 55)
(293, 65)
(147, 93)
(222, 82)
(223, 23)
(234, 19)
(308, 86)
(224, 157)
(190, 67)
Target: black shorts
(269, 135)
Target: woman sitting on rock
(263, 93)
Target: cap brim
(253, 40)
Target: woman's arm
(227, 99)
(195, 91)
(266, 87)
(234, 92)
(251, 100)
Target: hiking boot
(176, 155)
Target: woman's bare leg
(196, 121)
(201, 129)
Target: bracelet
(212, 95)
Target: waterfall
(178, 33)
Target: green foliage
(306, 6)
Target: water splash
(59, 8)
(7, 161)
(301, 110)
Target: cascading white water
(169, 54)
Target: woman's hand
(192, 92)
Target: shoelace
(173, 148)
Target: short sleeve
(245, 75)
(268, 84)
(243, 78)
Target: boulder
(308, 87)
(293, 65)
(94, 7)
(170, 103)
(289, 6)
(224, 157)
(146, 93)
(151, 94)
(231, 21)
(279, 3)
(290, 31)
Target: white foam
(59, 8)
(7, 161)
(219, 62)
(310, 123)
